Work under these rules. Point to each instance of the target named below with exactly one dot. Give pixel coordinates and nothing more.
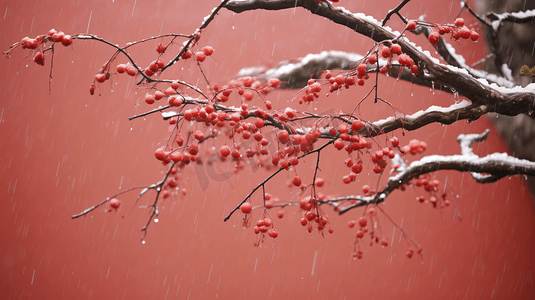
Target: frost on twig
(485, 169)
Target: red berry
(224, 151)
(411, 25)
(130, 70)
(456, 34)
(199, 135)
(362, 222)
(274, 82)
(259, 123)
(414, 69)
(160, 154)
(465, 32)
(92, 89)
(339, 144)
(403, 59)
(236, 154)
(385, 52)
(248, 95)
(395, 141)
(459, 22)
(39, 59)
(283, 136)
(100, 77)
(357, 168)
(246, 207)
(176, 156)
(443, 30)
(357, 125)
(208, 50)
(372, 212)
(434, 37)
(66, 40)
(187, 54)
(115, 203)
(351, 223)
(149, 98)
(474, 36)
(121, 68)
(297, 181)
(280, 214)
(273, 233)
(396, 49)
(200, 56)
(160, 48)
(377, 169)
(372, 59)
(304, 221)
(158, 95)
(58, 36)
(365, 188)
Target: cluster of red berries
(53, 36)
(263, 225)
(347, 80)
(246, 87)
(414, 147)
(358, 143)
(363, 229)
(171, 94)
(459, 30)
(431, 185)
(388, 51)
(312, 91)
(200, 56)
(313, 214)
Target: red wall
(63, 150)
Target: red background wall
(62, 151)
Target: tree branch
(485, 169)
(501, 100)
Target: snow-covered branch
(295, 73)
(507, 101)
(485, 169)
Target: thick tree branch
(500, 100)
(485, 169)
(295, 73)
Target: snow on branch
(485, 169)
(296, 72)
(507, 101)
(463, 110)
(516, 17)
